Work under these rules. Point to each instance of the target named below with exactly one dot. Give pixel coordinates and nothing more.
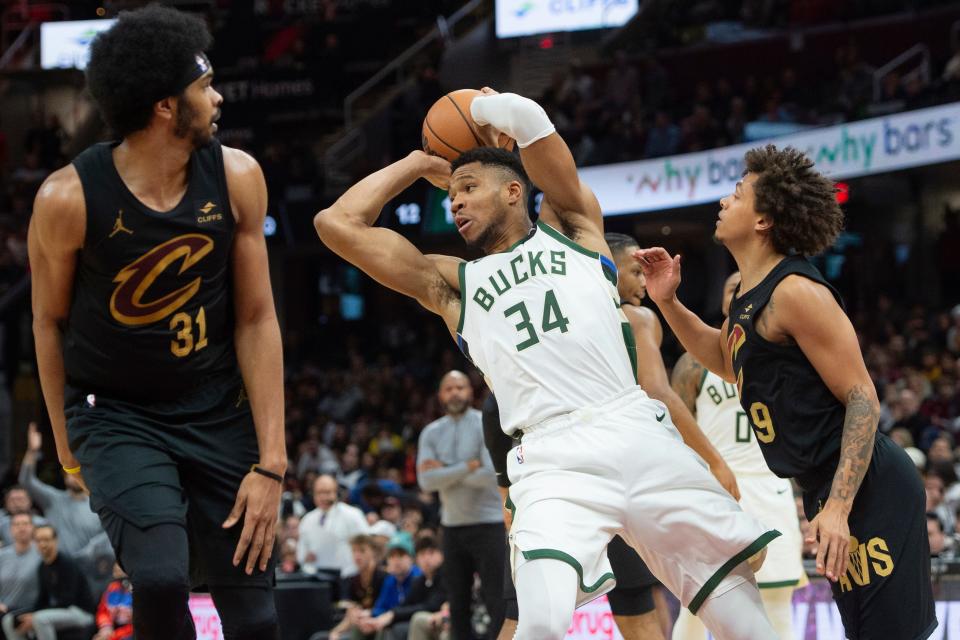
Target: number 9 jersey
(795, 417)
(535, 313)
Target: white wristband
(520, 118)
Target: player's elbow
(323, 223)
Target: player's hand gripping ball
(449, 129)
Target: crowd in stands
(630, 109)
(352, 502)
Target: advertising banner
(530, 17)
(878, 145)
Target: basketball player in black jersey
(157, 339)
(794, 355)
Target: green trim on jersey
(556, 554)
(729, 566)
(703, 378)
(518, 243)
(608, 274)
(778, 585)
(462, 278)
(631, 344)
(559, 237)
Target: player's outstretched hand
(434, 169)
(661, 271)
(258, 503)
(831, 528)
(34, 438)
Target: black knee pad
(631, 601)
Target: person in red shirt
(115, 612)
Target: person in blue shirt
(401, 572)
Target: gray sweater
(466, 497)
(19, 584)
(77, 526)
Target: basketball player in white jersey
(716, 405)
(539, 315)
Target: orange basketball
(449, 130)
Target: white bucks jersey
(543, 322)
(727, 426)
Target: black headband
(198, 66)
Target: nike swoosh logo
(781, 492)
(661, 416)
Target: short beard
(484, 241)
(457, 407)
(183, 126)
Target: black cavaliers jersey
(152, 310)
(797, 420)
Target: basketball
(449, 130)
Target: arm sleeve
(497, 442)
(42, 494)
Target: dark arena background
(658, 101)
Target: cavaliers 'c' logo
(127, 304)
(735, 340)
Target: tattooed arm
(686, 380)
(808, 313)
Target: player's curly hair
(801, 201)
(141, 59)
(491, 156)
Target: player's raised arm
(386, 256)
(662, 272)
(56, 234)
(808, 313)
(546, 158)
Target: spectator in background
(315, 456)
(288, 564)
(935, 534)
(64, 601)
(19, 562)
(115, 613)
(454, 461)
(622, 85)
(79, 529)
(935, 487)
(401, 573)
(350, 472)
(663, 139)
(326, 531)
(16, 500)
(426, 596)
(362, 590)
(907, 412)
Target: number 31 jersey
(543, 322)
(152, 309)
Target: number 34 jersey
(543, 322)
(152, 309)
